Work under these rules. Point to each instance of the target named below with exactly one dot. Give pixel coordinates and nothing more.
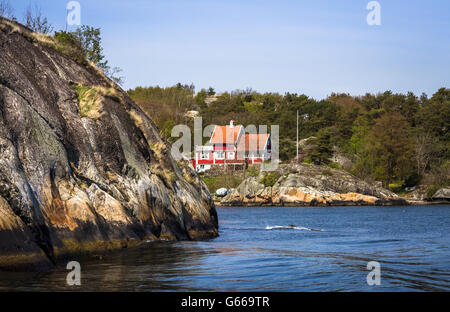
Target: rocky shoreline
(219, 204)
(304, 185)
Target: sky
(313, 47)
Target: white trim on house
(204, 155)
(217, 153)
(231, 155)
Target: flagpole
(297, 136)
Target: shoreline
(296, 205)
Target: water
(254, 254)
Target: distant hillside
(402, 140)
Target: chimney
(231, 123)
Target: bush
(413, 180)
(227, 181)
(334, 165)
(68, 44)
(396, 187)
(431, 190)
(270, 179)
(252, 171)
(308, 161)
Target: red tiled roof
(253, 142)
(225, 134)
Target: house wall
(212, 160)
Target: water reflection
(150, 266)
(247, 257)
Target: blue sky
(314, 47)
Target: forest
(401, 140)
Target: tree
(360, 130)
(91, 42)
(390, 148)
(200, 99)
(6, 9)
(112, 73)
(424, 149)
(434, 118)
(322, 150)
(36, 21)
(211, 91)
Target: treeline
(166, 106)
(399, 139)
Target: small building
(230, 145)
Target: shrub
(227, 180)
(67, 44)
(396, 187)
(308, 161)
(270, 179)
(252, 171)
(431, 190)
(334, 165)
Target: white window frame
(231, 153)
(220, 153)
(203, 157)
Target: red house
(230, 145)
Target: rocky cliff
(82, 168)
(308, 185)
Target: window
(230, 155)
(204, 155)
(220, 155)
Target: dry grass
(90, 99)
